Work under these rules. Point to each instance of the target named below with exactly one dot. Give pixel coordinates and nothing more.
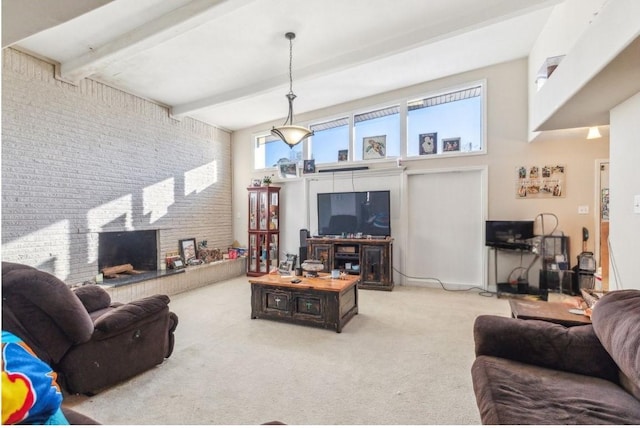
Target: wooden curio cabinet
(264, 230)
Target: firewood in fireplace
(113, 271)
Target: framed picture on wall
(450, 145)
(540, 181)
(428, 143)
(288, 170)
(309, 166)
(374, 147)
(343, 155)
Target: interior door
(446, 225)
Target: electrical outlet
(583, 209)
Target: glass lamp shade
(291, 134)
(593, 133)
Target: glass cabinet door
(263, 210)
(273, 212)
(273, 251)
(253, 210)
(263, 253)
(253, 252)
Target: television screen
(508, 234)
(354, 212)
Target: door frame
(598, 208)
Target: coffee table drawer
(277, 301)
(308, 305)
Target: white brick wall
(78, 160)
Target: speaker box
(304, 234)
(303, 254)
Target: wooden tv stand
(373, 256)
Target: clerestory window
(447, 123)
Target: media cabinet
(371, 258)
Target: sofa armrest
(93, 297)
(574, 349)
(125, 315)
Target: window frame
(403, 106)
(482, 83)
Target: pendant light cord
(290, 96)
(291, 64)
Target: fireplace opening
(138, 248)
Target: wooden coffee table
(320, 302)
(546, 311)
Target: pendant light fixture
(288, 132)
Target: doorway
(602, 220)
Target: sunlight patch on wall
(200, 178)
(115, 215)
(157, 198)
(47, 249)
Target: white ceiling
(225, 62)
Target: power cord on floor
(483, 292)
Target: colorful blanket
(30, 393)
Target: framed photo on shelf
(428, 143)
(309, 166)
(288, 170)
(256, 182)
(374, 147)
(285, 268)
(343, 155)
(450, 145)
(187, 249)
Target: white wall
(507, 147)
(624, 177)
(78, 160)
(565, 25)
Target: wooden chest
(320, 302)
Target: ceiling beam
(410, 40)
(24, 18)
(147, 36)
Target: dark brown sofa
(537, 372)
(91, 342)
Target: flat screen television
(509, 233)
(345, 213)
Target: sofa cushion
(510, 392)
(541, 343)
(616, 322)
(125, 315)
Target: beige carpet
(403, 360)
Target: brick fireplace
(138, 248)
(85, 163)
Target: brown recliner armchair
(89, 341)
